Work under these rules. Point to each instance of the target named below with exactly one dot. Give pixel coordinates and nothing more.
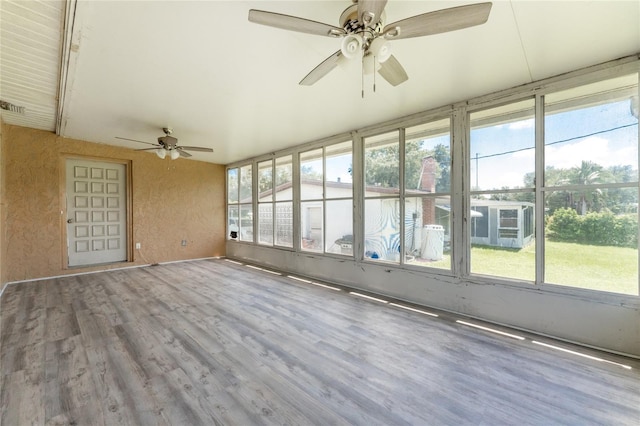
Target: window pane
(311, 175)
(382, 164)
(311, 226)
(502, 149)
(265, 181)
(246, 183)
(597, 250)
(232, 185)
(503, 235)
(232, 222)
(427, 231)
(265, 223)
(339, 227)
(284, 173)
(284, 224)
(338, 179)
(591, 134)
(428, 158)
(382, 229)
(246, 222)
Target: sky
(610, 138)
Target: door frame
(62, 186)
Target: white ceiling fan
(365, 34)
(167, 144)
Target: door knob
(69, 220)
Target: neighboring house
(493, 223)
(502, 223)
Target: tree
(588, 173)
(382, 167)
(383, 164)
(621, 200)
(442, 155)
(265, 178)
(308, 172)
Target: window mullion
(295, 176)
(539, 189)
(401, 195)
(358, 196)
(460, 197)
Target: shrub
(564, 225)
(602, 228)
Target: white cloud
(524, 124)
(594, 149)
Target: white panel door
(96, 212)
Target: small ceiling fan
(364, 33)
(169, 144)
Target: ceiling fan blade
(323, 69)
(133, 140)
(369, 11)
(196, 148)
(148, 149)
(293, 23)
(184, 154)
(392, 71)
(440, 21)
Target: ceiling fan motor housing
(168, 142)
(349, 21)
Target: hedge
(595, 228)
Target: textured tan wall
(171, 201)
(2, 210)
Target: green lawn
(605, 268)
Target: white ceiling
(30, 40)
(225, 83)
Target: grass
(604, 268)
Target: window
(265, 202)
(311, 196)
(509, 218)
(338, 184)
(427, 185)
(502, 178)
(240, 204)
(577, 182)
(508, 227)
(591, 186)
(382, 197)
(326, 199)
(283, 205)
(408, 221)
(479, 222)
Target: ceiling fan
(364, 33)
(169, 144)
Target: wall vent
(7, 106)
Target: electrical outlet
(137, 246)
(184, 243)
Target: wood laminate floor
(217, 343)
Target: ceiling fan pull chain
(374, 74)
(362, 75)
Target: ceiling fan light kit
(364, 34)
(380, 49)
(351, 46)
